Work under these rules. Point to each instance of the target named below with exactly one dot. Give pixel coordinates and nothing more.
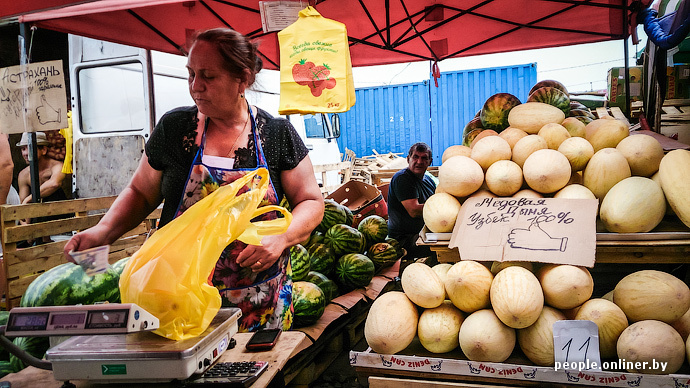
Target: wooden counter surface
(289, 344)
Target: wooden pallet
(675, 120)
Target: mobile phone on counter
(263, 339)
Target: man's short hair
(419, 147)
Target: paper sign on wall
(548, 230)
(33, 97)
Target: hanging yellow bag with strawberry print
(315, 66)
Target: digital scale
(119, 346)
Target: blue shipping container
(392, 118)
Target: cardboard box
(362, 199)
(616, 86)
(678, 82)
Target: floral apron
(265, 298)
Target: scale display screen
(29, 321)
(67, 319)
(107, 319)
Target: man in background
(49, 172)
(408, 190)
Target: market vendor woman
(193, 150)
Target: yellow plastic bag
(315, 66)
(168, 275)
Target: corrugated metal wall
(392, 118)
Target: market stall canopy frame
(379, 32)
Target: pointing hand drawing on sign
(46, 113)
(535, 238)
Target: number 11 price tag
(576, 345)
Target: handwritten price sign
(550, 230)
(33, 97)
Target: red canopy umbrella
(380, 32)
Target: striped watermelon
(549, 83)
(316, 237)
(309, 302)
(344, 239)
(322, 258)
(68, 284)
(299, 261)
(495, 111)
(328, 286)
(552, 96)
(396, 244)
(354, 270)
(471, 130)
(382, 255)
(584, 115)
(6, 368)
(35, 346)
(374, 228)
(333, 213)
(119, 265)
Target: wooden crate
(20, 266)
(675, 120)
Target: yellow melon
(643, 153)
(554, 134)
(633, 205)
(682, 325)
(468, 284)
(565, 286)
(482, 193)
(440, 212)
(516, 297)
(455, 150)
(531, 116)
(460, 176)
(512, 135)
(441, 270)
(527, 193)
(391, 323)
(484, 133)
(575, 127)
(497, 266)
(536, 341)
(526, 146)
(438, 328)
(575, 191)
(578, 151)
(606, 168)
(483, 337)
(607, 135)
(422, 285)
(652, 294)
(651, 347)
(546, 171)
(610, 320)
(504, 178)
(657, 178)
(490, 149)
(675, 181)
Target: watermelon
(396, 244)
(584, 115)
(333, 213)
(349, 216)
(382, 255)
(35, 346)
(471, 130)
(344, 239)
(550, 83)
(495, 111)
(316, 237)
(577, 105)
(374, 228)
(68, 284)
(6, 368)
(328, 286)
(309, 302)
(354, 270)
(119, 265)
(322, 258)
(552, 96)
(299, 261)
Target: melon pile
(338, 257)
(547, 147)
(487, 311)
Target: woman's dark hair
(419, 147)
(237, 51)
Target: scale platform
(142, 356)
